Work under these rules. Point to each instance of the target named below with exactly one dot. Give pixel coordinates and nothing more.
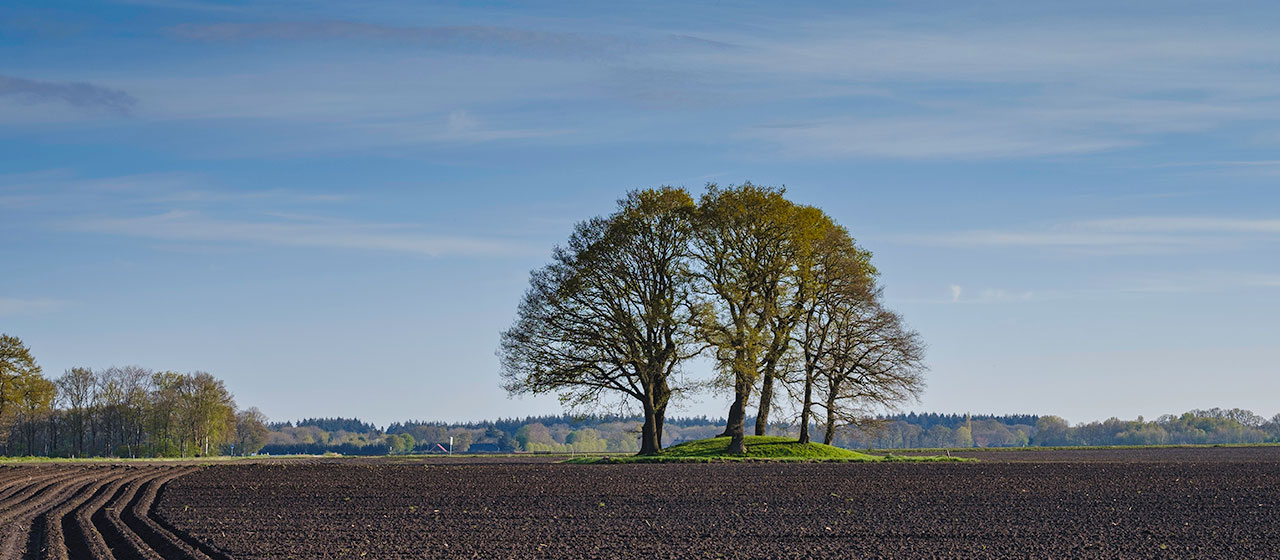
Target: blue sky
(335, 206)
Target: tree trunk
(806, 409)
(80, 434)
(737, 415)
(766, 402)
(649, 442)
(659, 419)
(831, 420)
(52, 443)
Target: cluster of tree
(1213, 426)
(941, 430)
(618, 434)
(335, 424)
(118, 412)
(536, 434)
(776, 293)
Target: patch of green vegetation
(40, 460)
(1075, 447)
(758, 448)
(764, 447)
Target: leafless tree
(75, 388)
(875, 363)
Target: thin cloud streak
(193, 226)
(1204, 282)
(988, 296)
(1187, 225)
(78, 94)
(1035, 90)
(1134, 235)
(481, 38)
(1223, 163)
(956, 137)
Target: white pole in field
(451, 445)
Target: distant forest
(128, 411)
(138, 412)
(561, 434)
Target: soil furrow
(153, 516)
(19, 527)
(25, 490)
(82, 539)
(48, 535)
(13, 478)
(137, 515)
(117, 536)
(38, 493)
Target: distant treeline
(328, 424)
(531, 434)
(118, 412)
(620, 433)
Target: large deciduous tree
(810, 234)
(612, 313)
(770, 286)
(742, 245)
(835, 276)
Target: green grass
(23, 460)
(1076, 447)
(764, 447)
(759, 448)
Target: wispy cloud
(62, 190)
(457, 37)
(960, 137)
(986, 296)
(330, 234)
(993, 91)
(1223, 163)
(1132, 235)
(78, 94)
(1201, 282)
(21, 306)
(460, 126)
(1111, 53)
(917, 87)
(1186, 225)
(1003, 296)
(1029, 127)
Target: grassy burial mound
(758, 448)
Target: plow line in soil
(96, 512)
(27, 488)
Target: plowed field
(67, 511)
(1201, 503)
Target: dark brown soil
(1190, 454)
(94, 511)
(1148, 503)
